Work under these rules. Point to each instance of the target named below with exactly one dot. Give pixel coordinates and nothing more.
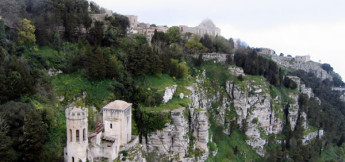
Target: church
(107, 140)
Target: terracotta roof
(118, 105)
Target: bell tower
(77, 137)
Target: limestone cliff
(257, 107)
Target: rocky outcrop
(308, 66)
(307, 91)
(173, 139)
(312, 135)
(169, 93)
(236, 71)
(293, 110)
(260, 113)
(252, 102)
(200, 128)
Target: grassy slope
(71, 86)
(162, 81)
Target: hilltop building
(305, 58)
(205, 27)
(108, 139)
(144, 28)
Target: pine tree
(6, 151)
(100, 65)
(2, 34)
(35, 133)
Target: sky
(295, 27)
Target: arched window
(77, 135)
(72, 159)
(111, 126)
(70, 135)
(84, 133)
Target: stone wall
(309, 66)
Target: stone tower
(77, 137)
(117, 121)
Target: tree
(194, 47)
(207, 42)
(222, 45)
(110, 36)
(94, 8)
(14, 113)
(120, 22)
(112, 66)
(138, 57)
(26, 33)
(174, 34)
(57, 42)
(289, 83)
(97, 33)
(96, 68)
(19, 80)
(35, 133)
(327, 67)
(2, 34)
(6, 151)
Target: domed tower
(77, 138)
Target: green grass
(72, 85)
(233, 147)
(158, 82)
(162, 81)
(309, 130)
(174, 103)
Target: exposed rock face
(293, 110)
(309, 66)
(312, 135)
(253, 106)
(256, 109)
(200, 128)
(173, 139)
(169, 93)
(307, 91)
(53, 72)
(236, 71)
(342, 98)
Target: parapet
(76, 113)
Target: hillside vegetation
(52, 55)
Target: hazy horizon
(304, 27)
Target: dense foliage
(98, 61)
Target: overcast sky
(296, 27)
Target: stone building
(265, 51)
(205, 27)
(109, 137)
(144, 28)
(302, 58)
(133, 21)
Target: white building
(205, 27)
(109, 137)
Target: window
(77, 135)
(111, 126)
(70, 135)
(72, 159)
(84, 133)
